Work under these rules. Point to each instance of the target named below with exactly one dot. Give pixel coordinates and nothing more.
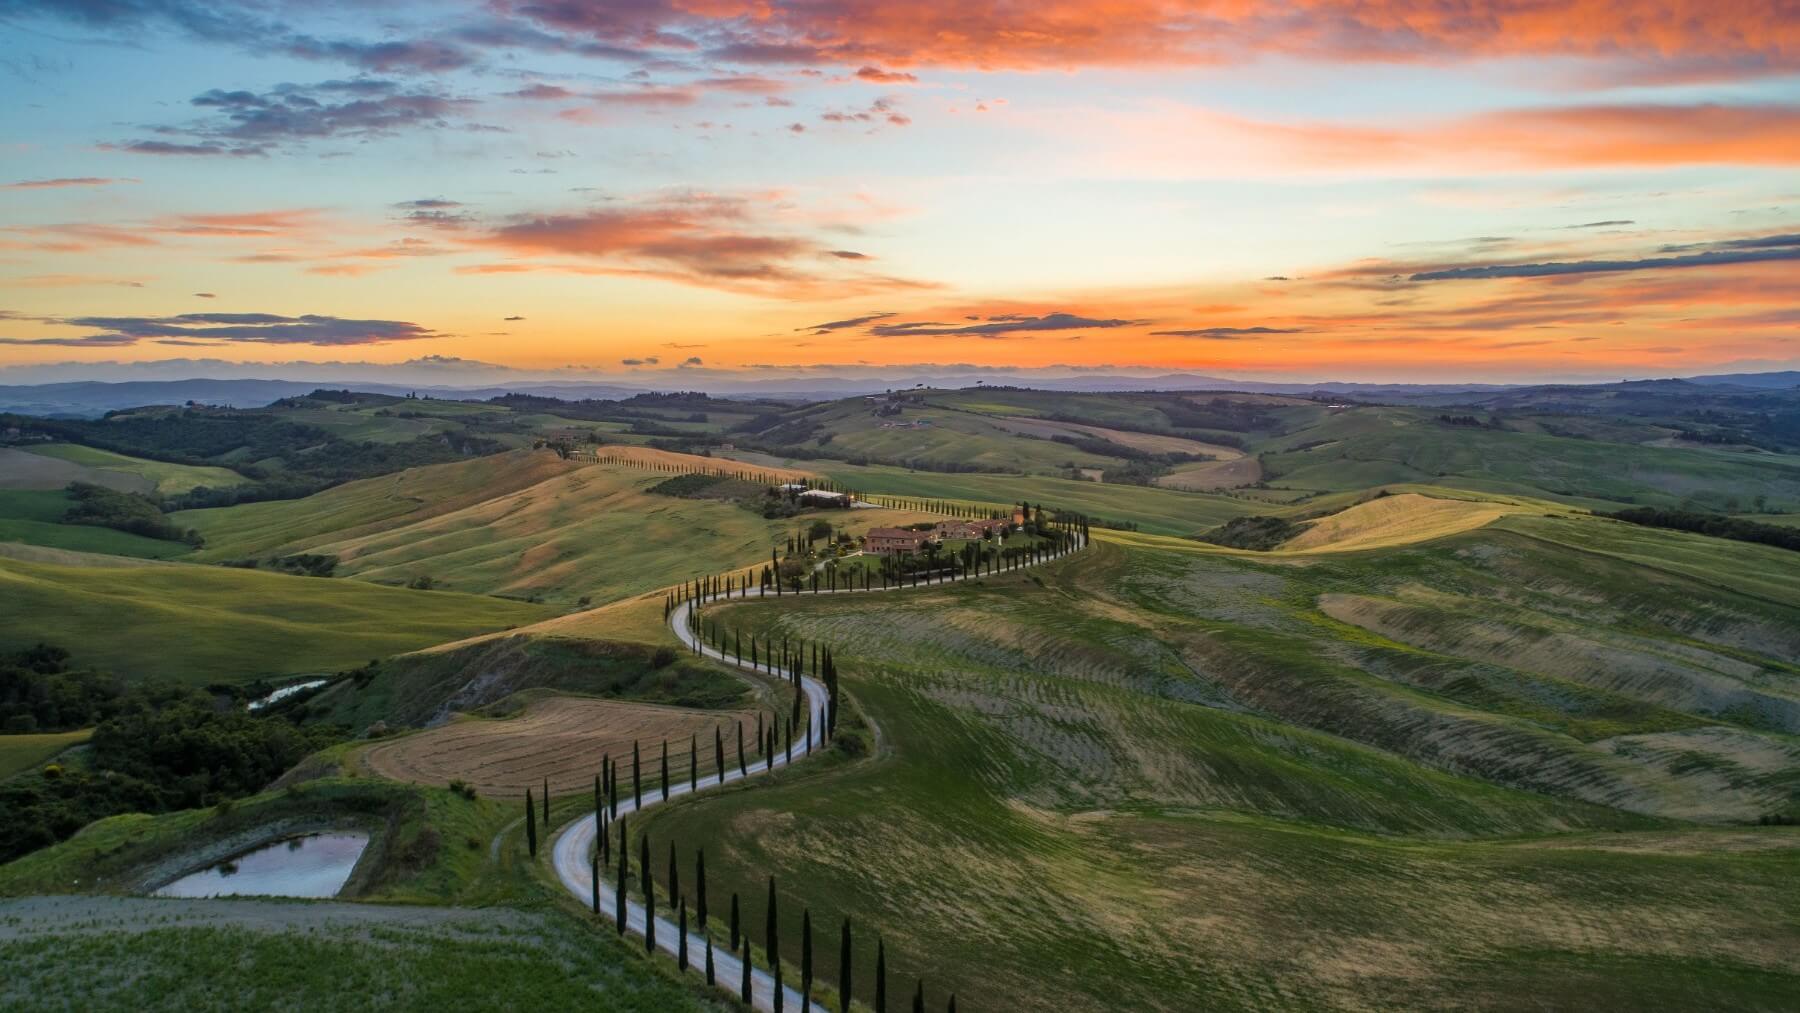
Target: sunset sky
(1495, 190)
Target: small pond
(316, 865)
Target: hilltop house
(822, 498)
(894, 541)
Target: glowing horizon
(1313, 189)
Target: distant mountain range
(92, 398)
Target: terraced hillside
(1513, 760)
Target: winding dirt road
(573, 846)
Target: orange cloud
(1741, 36)
(1164, 139)
(703, 239)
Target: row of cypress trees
(1063, 529)
(793, 662)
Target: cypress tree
(605, 838)
(707, 941)
(649, 885)
(700, 888)
(599, 803)
(919, 998)
(546, 805)
(693, 763)
(880, 975)
(744, 992)
(612, 789)
(595, 874)
(772, 943)
(665, 770)
(759, 733)
(637, 783)
(952, 1007)
(734, 921)
(681, 944)
(806, 959)
(674, 874)
(742, 770)
(530, 824)
(624, 873)
(845, 986)
(719, 753)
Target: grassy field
(34, 516)
(559, 739)
(1396, 520)
(114, 953)
(1162, 511)
(1380, 446)
(521, 524)
(1165, 777)
(200, 624)
(161, 476)
(23, 752)
(426, 687)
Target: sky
(1382, 190)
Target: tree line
(1715, 525)
(793, 660)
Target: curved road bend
(574, 845)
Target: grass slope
(1377, 446)
(1162, 511)
(199, 624)
(161, 476)
(34, 517)
(520, 524)
(20, 753)
(1164, 778)
(116, 953)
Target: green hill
(202, 624)
(1397, 777)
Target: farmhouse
(969, 529)
(819, 497)
(894, 541)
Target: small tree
(880, 975)
(806, 959)
(546, 805)
(665, 770)
(637, 784)
(772, 943)
(744, 992)
(919, 998)
(624, 874)
(845, 986)
(649, 884)
(681, 960)
(530, 824)
(734, 922)
(700, 907)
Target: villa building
(894, 541)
